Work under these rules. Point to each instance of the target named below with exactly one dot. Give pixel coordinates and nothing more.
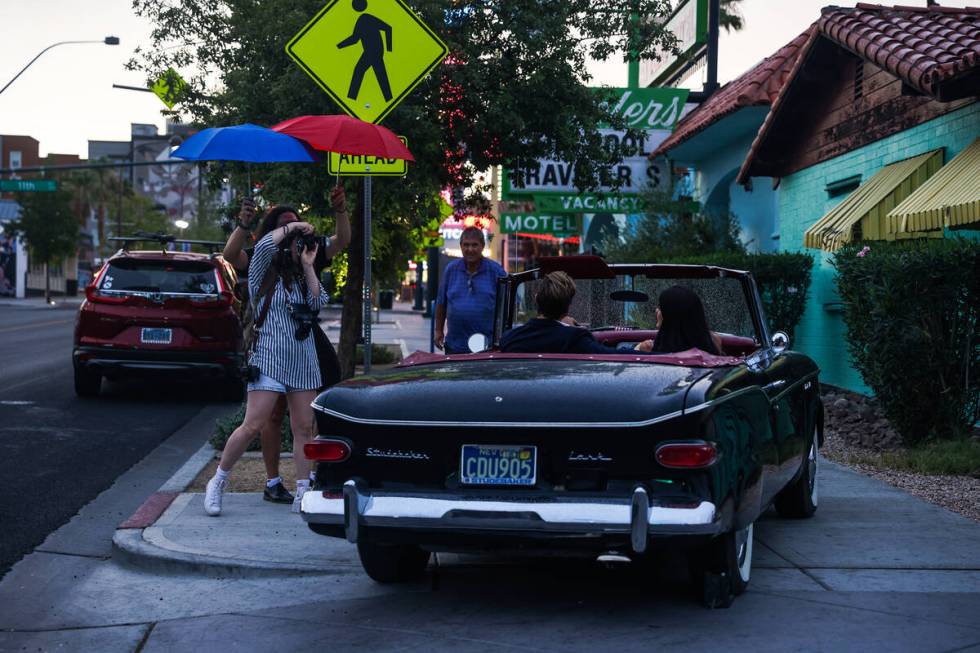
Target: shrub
(380, 355)
(224, 426)
(783, 279)
(911, 310)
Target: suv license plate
(482, 464)
(156, 336)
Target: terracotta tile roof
(758, 87)
(923, 46)
(926, 47)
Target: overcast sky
(66, 98)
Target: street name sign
(29, 185)
(169, 88)
(355, 165)
(555, 225)
(367, 54)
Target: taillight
(327, 451)
(687, 455)
(93, 294)
(224, 298)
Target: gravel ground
(961, 494)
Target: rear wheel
(799, 500)
(721, 570)
(87, 383)
(393, 563)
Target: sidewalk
(401, 325)
(851, 545)
(39, 303)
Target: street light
(109, 40)
(181, 224)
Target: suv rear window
(170, 277)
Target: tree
(513, 89)
(730, 16)
(674, 228)
(48, 225)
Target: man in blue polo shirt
(467, 295)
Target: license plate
(156, 336)
(482, 464)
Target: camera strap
(266, 290)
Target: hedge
(783, 279)
(911, 310)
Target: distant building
(714, 138)
(17, 152)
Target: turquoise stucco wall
(716, 154)
(803, 200)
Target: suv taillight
(687, 455)
(93, 294)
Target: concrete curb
(140, 540)
(149, 549)
(189, 470)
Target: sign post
(367, 55)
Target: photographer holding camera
(285, 288)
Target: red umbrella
(345, 135)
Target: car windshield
(155, 276)
(598, 305)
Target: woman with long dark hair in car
(682, 325)
(287, 295)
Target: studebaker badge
(371, 452)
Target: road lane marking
(34, 325)
(15, 402)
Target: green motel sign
(555, 225)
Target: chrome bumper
(637, 516)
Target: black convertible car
(613, 455)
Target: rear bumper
(103, 359)
(637, 517)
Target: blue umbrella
(249, 143)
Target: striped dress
(278, 353)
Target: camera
(250, 373)
(308, 241)
(305, 317)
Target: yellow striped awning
(863, 214)
(949, 198)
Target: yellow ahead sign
(367, 54)
(356, 165)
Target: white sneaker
(298, 498)
(212, 496)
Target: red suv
(149, 312)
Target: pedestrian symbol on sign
(348, 48)
(368, 30)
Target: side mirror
(780, 342)
(477, 343)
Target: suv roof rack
(164, 240)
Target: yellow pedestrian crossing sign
(356, 165)
(367, 54)
(169, 87)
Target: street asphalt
(60, 452)
(874, 570)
